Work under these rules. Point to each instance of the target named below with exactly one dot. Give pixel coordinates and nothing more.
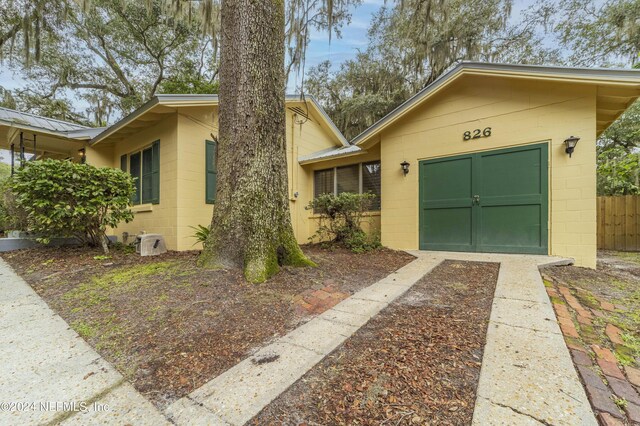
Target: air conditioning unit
(150, 244)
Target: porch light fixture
(83, 155)
(405, 167)
(570, 144)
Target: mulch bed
(417, 362)
(599, 315)
(170, 326)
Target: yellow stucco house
(489, 157)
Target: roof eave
(600, 76)
(40, 130)
(125, 121)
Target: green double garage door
(493, 201)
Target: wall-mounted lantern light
(405, 167)
(570, 144)
(83, 155)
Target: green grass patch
(629, 256)
(100, 288)
(547, 283)
(85, 329)
(557, 300)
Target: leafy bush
(64, 199)
(12, 217)
(341, 219)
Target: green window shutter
(155, 173)
(147, 187)
(211, 171)
(134, 169)
(123, 163)
(151, 174)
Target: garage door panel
(510, 226)
(448, 229)
(493, 201)
(448, 179)
(511, 200)
(511, 173)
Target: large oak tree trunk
(251, 225)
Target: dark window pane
(348, 179)
(134, 169)
(323, 182)
(371, 181)
(123, 163)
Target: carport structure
(29, 137)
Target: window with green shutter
(144, 167)
(211, 158)
(151, 174)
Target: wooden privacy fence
(618, 222)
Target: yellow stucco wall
(182, 138)
(303, 137)
(151, 218)
(519, 112)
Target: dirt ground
(417, 362)
(170, 326)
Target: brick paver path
(316, 301)
(613, 390)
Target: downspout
(293, 128)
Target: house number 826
(476, 134)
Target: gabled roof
(620, 88)
(160, 104)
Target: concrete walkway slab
(44, 362)
(240, 393)
(527, 374)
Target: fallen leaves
(415, 363)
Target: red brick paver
(633, 411)
(613, 333)
(581, 358)
(607, 419)
(568, 328)
(602, 401)
(607, 306)
(603, 393)
(623, 389)
(561, 310)
(317, 301)
(610, 369)
(604, 353)
(633, 374)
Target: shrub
(341, 218)
(12, 216)
(64, 199)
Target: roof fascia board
(332, 157)
(122, 123)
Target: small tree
(64, 199)
(341, 219)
